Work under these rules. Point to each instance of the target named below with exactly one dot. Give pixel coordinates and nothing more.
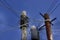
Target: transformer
(34, 33)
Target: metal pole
(24, 20)
(24, 33)
(48, 27)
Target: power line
(53, 4)
(14, 27)
(10, 29)
(9, 6)
(6, 5)
(55, 8)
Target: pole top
(33, 27)
(46, 16)
(24, 13)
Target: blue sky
(9, 21)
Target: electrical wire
(53, 4)
(6, 5)
(54, 9)
(10, 6)
(14, 28)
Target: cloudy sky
(10, 11)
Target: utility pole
(48, 23)
(24, 25)
(48, 26)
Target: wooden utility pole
(48, 26)
(24, 25)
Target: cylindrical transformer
(34, 33)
